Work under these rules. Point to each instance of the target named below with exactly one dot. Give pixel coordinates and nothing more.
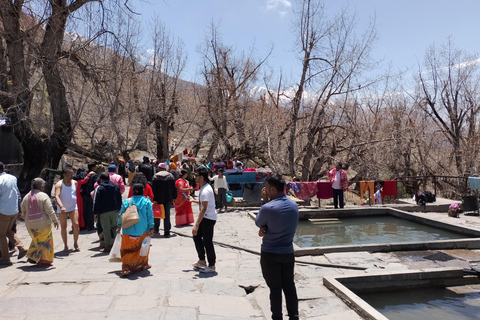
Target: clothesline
(323, 189)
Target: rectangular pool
(425, 303)
(379, 229)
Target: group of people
(277, 220)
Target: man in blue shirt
(278, 220)
(9, 195)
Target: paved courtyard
(85, 285)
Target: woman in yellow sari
(37, 210)
(133, 237)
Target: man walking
(147, 169)
(278, 220)
(339, 182)
(164, 192)
(66, 197)
(86, 193)
(106, 205)
(9, 195)
(203, 228)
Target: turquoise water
(366, 230)
(425, 304)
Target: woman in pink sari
(183, 206)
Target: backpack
(131, 166)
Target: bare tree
(227, 79)
(163, 98)
(448, 93)
(333, 59)
(23, 47)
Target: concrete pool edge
(341, 285)
(466, 243)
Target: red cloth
(324, 190)
(147, 192)
(307, 190)
(389, 188)
(250, 170)
(183, 207)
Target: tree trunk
(161, 132)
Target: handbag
(130, 216)
(158, 211)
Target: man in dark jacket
(147, 169)
(87, 197)
(106, 206)
(164, 191)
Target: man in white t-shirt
(203, 228)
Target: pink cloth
(117, 179)
(250, 170)
(324, 190)
(307, 190)
(343, 178)
(34, 211)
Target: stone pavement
(85, 285)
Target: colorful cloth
(34, 211)
(307, 190)
(293, 185)
(324, 190)
(389, 189)
(343, 178)
(183, 207)
(41, 247)
(130, 253)
(474, 183)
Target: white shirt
(336, 180)
(206, 194)
(219, 183)
(378, 196)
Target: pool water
(366, 230)
(425, 304)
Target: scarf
(34, 211)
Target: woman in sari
(37, 210)
(183, 207)
(132, 237)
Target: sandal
(125, 273)
(198, 266)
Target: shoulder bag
(130, 216)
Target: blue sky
(405, 28)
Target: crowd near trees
(73, 76)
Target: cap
(162, 165)
(112, 166)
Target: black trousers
(277, 270)
(222, 198)
(338, 198)
(204, 241)
(88, 212)
(167, 225)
